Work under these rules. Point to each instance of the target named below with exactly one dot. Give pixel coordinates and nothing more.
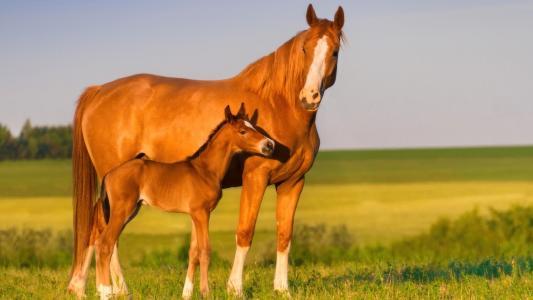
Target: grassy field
(381, 196)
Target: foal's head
(244, 136)
(321, 50)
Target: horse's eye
(335, 53)
(242, 131)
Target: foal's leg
(105, 245)
(201, 222)
(253, 189)
(288, 195)
(193, 262)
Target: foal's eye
(242, 131)
(336, 54)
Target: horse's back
(166, 118)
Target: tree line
(36, 142)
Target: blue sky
(413, 73)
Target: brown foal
(192, 186)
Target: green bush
(35, 248)
(472, 237)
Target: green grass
(346, 281)
(382, 196)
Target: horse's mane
(209, 139)
(279, 73)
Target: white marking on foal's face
(249, 125)
(311, 90)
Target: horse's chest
(295, 167)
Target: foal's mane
(279, 73)
(209, 139)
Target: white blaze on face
(249, 125)
(316, 72)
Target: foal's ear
(227, 113)
(241, 114)
(254, 117)
(310, 15)
(339, 18)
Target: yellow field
(373, 212)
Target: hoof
(283, 293)
(77, 288)
(234, 289)
(187, 289)
(105, 291)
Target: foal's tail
(84, 183)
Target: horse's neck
(278, 78)
(215, 159)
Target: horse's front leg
(288, 194)
(253, 189)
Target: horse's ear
(254, 117)
(310, 15)
(241, 114)
(339, 18)
(227, 113)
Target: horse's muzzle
(268, 147)
(310, 99)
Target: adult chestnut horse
(168, 119)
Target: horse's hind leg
(193, 262)
(79, 280)
(119, 283)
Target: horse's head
(244, 135)
(321, 51)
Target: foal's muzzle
(267, 147)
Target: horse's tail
(84, 183)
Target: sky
(412, 73)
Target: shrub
(35, 248)
(503, 234)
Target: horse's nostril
(303, 99)
(268, 148)
(315, 95)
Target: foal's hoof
(234, 289)
(204, 292)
